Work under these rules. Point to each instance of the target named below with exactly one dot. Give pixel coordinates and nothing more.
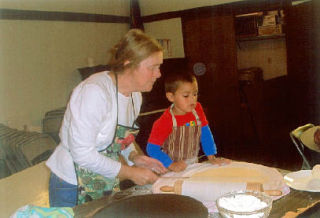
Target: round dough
(232, 174)
(235, 172)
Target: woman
(98, 127)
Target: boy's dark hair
(173, 80)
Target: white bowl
(244, 204)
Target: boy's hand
(218, 160)
(178, 166)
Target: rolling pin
(210, 191)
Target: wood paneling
(12, 14)
(241, 7)
(302, 72)
(210, 40)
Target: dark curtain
(135, 17)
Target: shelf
(255, 38)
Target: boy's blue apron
(94, 186)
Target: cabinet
(261, 42)
(259, 25)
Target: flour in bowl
(243, 203)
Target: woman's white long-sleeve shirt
(89, 126)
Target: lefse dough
(235, 172)
(231, 174)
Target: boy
(176, 135)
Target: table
(294, 200)
(291, 202)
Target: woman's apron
(183, 142)
(94, 186)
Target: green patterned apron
(94, 186)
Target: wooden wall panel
(303, 76)
(210, 39)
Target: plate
(303, 180)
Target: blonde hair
(134, 47)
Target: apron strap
(134, 111)
(197, 117)
(116, 77)
(174, 121)
(117, 91)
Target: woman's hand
(218, 160)
(178, 166)
(148, 162)
(140, 176)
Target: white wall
(38, 59)
(270, 55)
(168, 29)
(111, 7)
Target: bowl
(244, 204)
